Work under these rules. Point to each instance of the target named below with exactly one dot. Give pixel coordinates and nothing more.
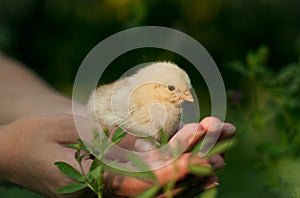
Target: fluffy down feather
(143, 103)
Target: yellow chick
(144, 103)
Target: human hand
(32, 145)
(178, 170)
(29, 148)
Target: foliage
(94, 178)
(270, 115)
(58, 34)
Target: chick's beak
(186, 96)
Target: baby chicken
(144, 103)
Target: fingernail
(230, 130)
(200, 128)
(211, 185)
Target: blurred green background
(256, 45)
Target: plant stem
(100, 180)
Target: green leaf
(149, 192)
(94, 164)
(272, 149)
(143, 175)
(95, 174)
(210, 193)
(197, 147)
(163, 137)
(118, 135)
(106, 132)
(201, 170)
(69, 171)
(82, 145)
(237, 66)
(96, 170)
(71, 188)
(221, 147)
(167, 189)
(73, 146)
(98, 142)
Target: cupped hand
(177, 170)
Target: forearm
(23, 93)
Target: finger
(178, 170)
(216, 161)
(144, 145)
(211, 182)
(216, 131)
(183, 140)
(228, 131)
(214, 125)
(211, 124)
(187, 136)
(181, 167)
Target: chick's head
(170, 83)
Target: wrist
(43, 103)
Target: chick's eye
(171, 87)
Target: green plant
(102, 145)
(94, 178)
(270, 118)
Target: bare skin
(37, 122)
